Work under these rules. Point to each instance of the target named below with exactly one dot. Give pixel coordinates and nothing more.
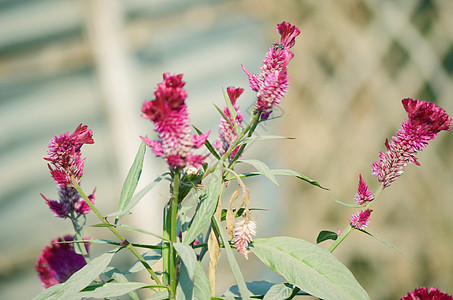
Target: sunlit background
(66, 62)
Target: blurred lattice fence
(354, 63)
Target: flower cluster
(58, 262)
(65, 162)
(360, 220)
(243, 231)
(271, 84)
(169, 113)
(422, 293)
(425, 121)
(227, 132)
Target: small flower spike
(271, 84)
(58, 262)
(425, 121)
(226, 132)
(65, 162)
(360, 220)
(422, 293)
(363, 192)
(169, 113)
(243, 232)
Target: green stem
(116, 233)
(79, 236)
(173, 233)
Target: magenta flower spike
(363, 192)
(271, 84)
(360, 220)
(58, 262)
(64, 155)
(226, 132)
(422, 293)
(425, 121)
(169, 113)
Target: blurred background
(66, 62)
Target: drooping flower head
(363, 192)
(360, 220)
(425, 121)
(244, 230)
(58, 262)
(271, 84)
(422, 293)
(169, 113)
(226, 131)
(64, 155)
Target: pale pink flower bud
(243, 232)
(363, 192)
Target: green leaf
(112, 289)
(279, 291)
(79, 280)
(208, 145)
(326, 235)
(244, 292)
(387, 244)
(159, 295)
(346, 204)
(206, 208)
(262, 167)
(137, 197)
(263, 138)
(238, 212)
(256, 288)
(196, 289)
(233, 112)
(309, 267)
(130, 184)
(151, 257)
(188, 257)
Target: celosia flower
(272, 83)
(171, 119)
(58, 262)
(64, 155)
(425, 121)
(243, 232)
(226, 131)
(363, 192)
(360, 220)
(422, 293)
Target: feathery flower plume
(425, 121)
(422, 293)
(171, 119)
(243, 232)
(64, 155)
(226, 131)
(271, 84)
(363, 192)
(360, 220)
(58, 262)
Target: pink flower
(363, 192)
(58, 262)
(227, 133)
(422, 293)
(65, 156)
(171, 119)
(272, 83)
(425, 121)
(360, 220)
(243, 232)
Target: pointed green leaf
(309, 267)
(159, 295)
(188, 257)
(262, 167)
(263, 138)
(79, 280)
(151, 257)
(206, 208)
(233, 112)
(244, 292)
(387, 244)
(130, 184)
(112, 289)
(208, 145)
(197, 288)
(326, 235)
(279, 291)
(346, 204)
